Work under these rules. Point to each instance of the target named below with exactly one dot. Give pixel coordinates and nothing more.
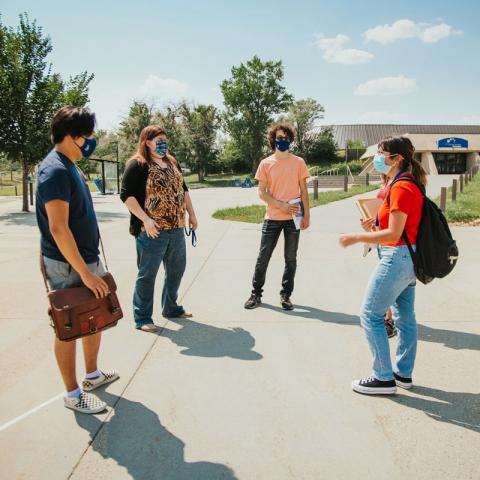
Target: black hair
(74, 121)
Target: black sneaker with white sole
(403, 382)
(285, 302)
(372, 386)
(253, 302)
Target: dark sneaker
(403, 382)
(253, 302)
(390, 327)
(372, 386)
(286, 303)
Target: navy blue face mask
(282, 145)
(88, 146)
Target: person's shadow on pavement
(202, 340)
(449, 338)
(135, 438)
(457, 408)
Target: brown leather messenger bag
(75, 312)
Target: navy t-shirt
(59, 179)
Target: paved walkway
(241, 394)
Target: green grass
(256, 213)
(216, 180)
(467, 206)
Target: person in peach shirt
(282, 178)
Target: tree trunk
(25, 186)
(201, 174)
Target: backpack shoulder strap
(421, 187)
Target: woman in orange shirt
(393, 280)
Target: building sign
(452, 142)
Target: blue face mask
(282, 145)
(88, 147)
(380, 165)
(161, 148)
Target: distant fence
(457, 186)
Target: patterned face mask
(161, 148)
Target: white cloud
(438, 32)
(382, 117)
(403, 29)
(163, 87)
(334, 51)
(387, 86)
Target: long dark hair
(403, 146)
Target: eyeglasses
(279, 139)
(387, 156)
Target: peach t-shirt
(283, 177)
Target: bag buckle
(93, 327)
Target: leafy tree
(31, 94)
(170, 118)
(201, 125)
(231, 158)
(252, 96)
(356, 143)
(302, 115)
(321, 147)
(139, 116)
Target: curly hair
(272, 133)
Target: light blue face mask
(380, 165)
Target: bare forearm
(189, 205)
(65, 241)
(306, 203)
(382, 236)
(134, 207)
(269, 200)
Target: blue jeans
(168, 247)
(392, 284)
(271, 231)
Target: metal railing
(314, 171)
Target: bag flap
(75, 296)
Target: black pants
(270, 233)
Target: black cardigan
(134, 184)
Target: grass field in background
(216, 180)
(256, 213)
(467, 206)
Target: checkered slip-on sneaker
(85, 403)
(90, 384)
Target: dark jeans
(270, 233)
(168, 247)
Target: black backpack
(436, 253)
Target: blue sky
(364, 61)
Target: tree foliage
(253, 95)
(30, 95)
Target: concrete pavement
(232, 393)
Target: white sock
(94, 374)
(74, 393)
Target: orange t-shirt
(283, 177)
(407, 198)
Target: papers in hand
(298, 215)
(368, 209)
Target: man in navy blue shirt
(69, 243)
